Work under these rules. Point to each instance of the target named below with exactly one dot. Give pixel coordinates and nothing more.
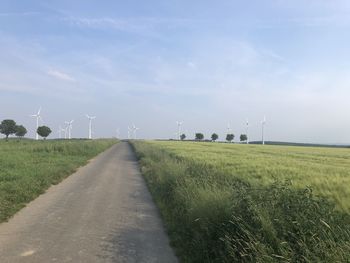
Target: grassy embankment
(239, 203)
(28, 168)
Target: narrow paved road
(102, 213)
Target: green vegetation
(20, 131)
(8, 127)
(43, 131)
(249, 203)
(243, 137)
(230, 137)
(28, 168)
(214, 137)
(199, 136)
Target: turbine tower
(228, 128)
(90, 124)
(66, 131)
(263, 122)
(247, 130)
(37, 116)
(69, 128)
(134, 128)
(117, 133)
(60, 130)
(129, 130)
(179, 123)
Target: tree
(20, 131)
(214, 137)
(230, 137)
(183, 137)
(243, 137)
(8, 127)
(43, 131)
(199, 136)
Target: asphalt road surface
(101, 213)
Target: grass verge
(28, 168)
(214, 216)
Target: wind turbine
(117, 133)
(69, 128)
(129, 130)
(60, 130)
(134, 128)
(263, 122)
(228, 128)
(179, 123)
(37, 116)
(90, 124)
(66, 131)
(247, 130)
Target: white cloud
(60, 75)
(144, 26)
(18, 14)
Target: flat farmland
(251, 203)
(28, 168)
(325, 170)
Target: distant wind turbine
(117, 133)
(60, 130)
(90, 124)
(228, 128)
(69, 128)
(134, 129)
(38, 117)
(263, 123)
(247, 130)
(66, 132)
(129, 131)
(179, 123)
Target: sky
(206, 63)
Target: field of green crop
(251, 203)
(28, 168)
(326, 170)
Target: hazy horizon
(204, 63)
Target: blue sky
(203, 62)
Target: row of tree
(214, 137)
(10, 127)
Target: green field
(251, 203)
(326, 170)
(28, 168)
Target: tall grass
(327, 170)
(216, 215)
(28, 168)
